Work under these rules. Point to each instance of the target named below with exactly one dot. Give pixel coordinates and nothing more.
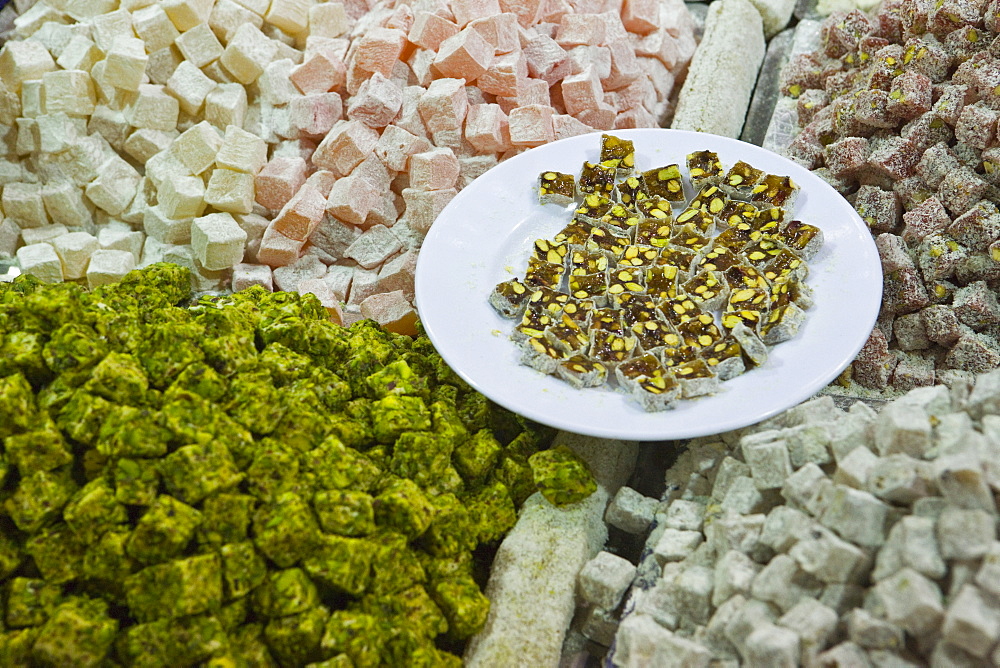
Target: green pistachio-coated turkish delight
(226, 518)
(79, 632)
(94, 510)
(286, 530)
(243, 569)
(193, 472)
(39, 497)
(403, 507)
(30, 601)
(286, 592)
(475, 457)
(561, 476)
(346, 513)
(164, 530)
(462, 603)
(295, 639)
(136, 481)
(175, 588)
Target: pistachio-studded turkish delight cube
(775, 191)
(637, 307)
(547, 299)
(596, 178)
(581, 261)
(678, 256)
(608, 320)
(576, 233)
(286, 530)
(657, 208)
(725, 357)
(701, 331)
(746, 305)
(618, 150)
(736, 237)
(610, 348)
(736, 212)
(534, 321)
(590, 287)
(579, 310)
(785, 266)
(699, 219)
(540, 354)
(164, 530)
(639, 256)
(345, 512)
(243, 569)
(708, 289)
(679, 309)
(740, 180)
(689, 236)
(541, 274)
(79, 632)
(710, 199)
(803, 238)
(176, 588)
(580, 371)
(631, 191)
(704, 168)
(653, 232)
(549, 251)
(665, 182)
(509, 297)
(662, 281)
(610, 243)
(696, 378)
(556, 188)
(620, 220)
(591, 209)
(716, 258)
(651, 335)
(567, 336)
(625, 279)
(745, 276)
(647, 382)
(782, 323)
(342, 563)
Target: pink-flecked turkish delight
(278, 181)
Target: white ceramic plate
(484, 237)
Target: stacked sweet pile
(301, 146)
(899, 112)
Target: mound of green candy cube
(237, 480)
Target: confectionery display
(659, 307)
(226, 440)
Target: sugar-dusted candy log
(278, 180)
